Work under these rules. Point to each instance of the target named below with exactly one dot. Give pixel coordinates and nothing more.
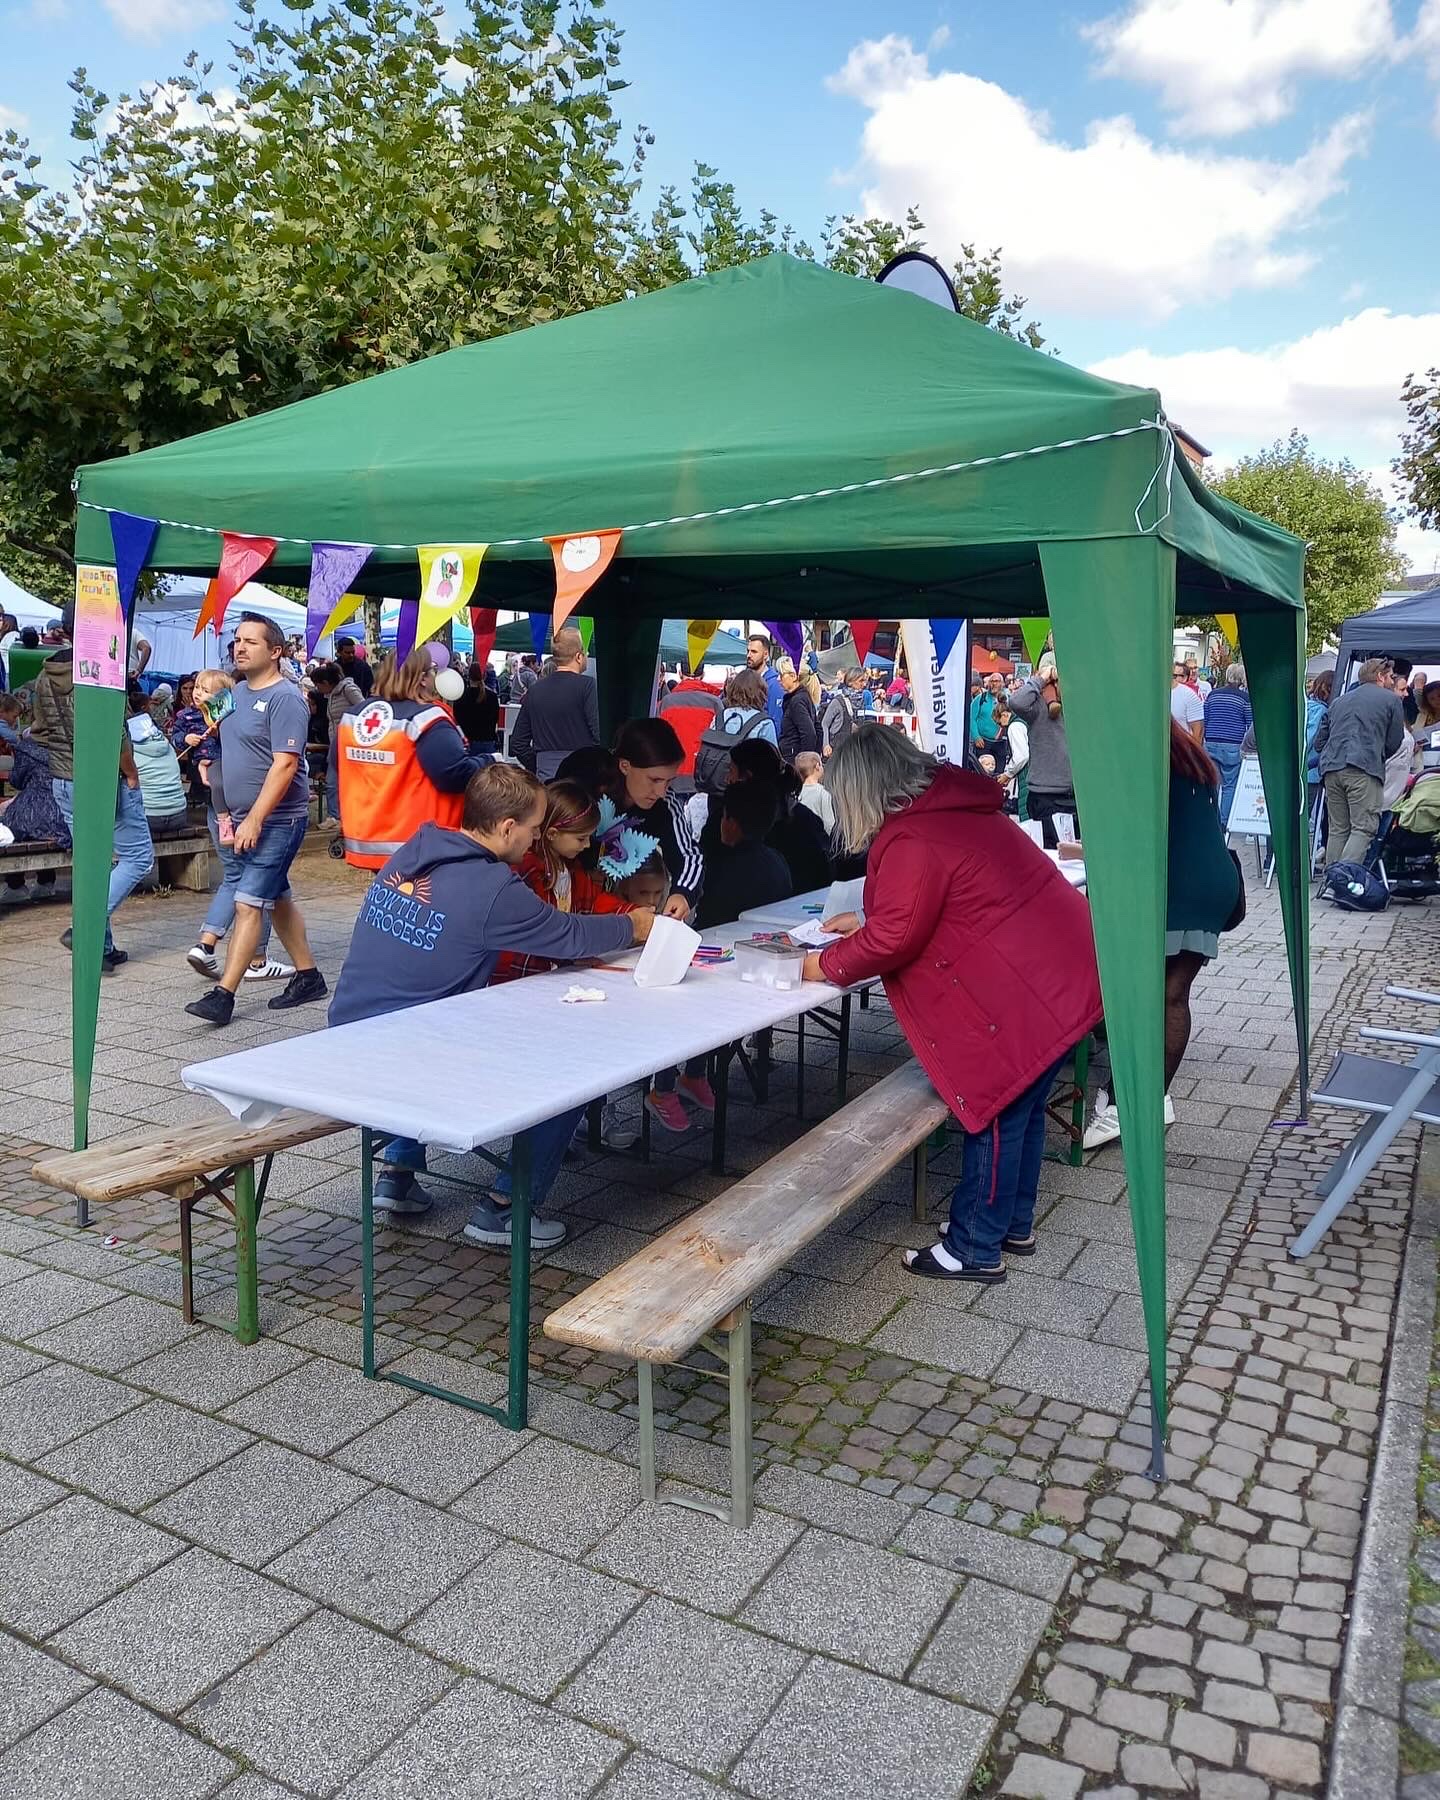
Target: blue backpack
(1354, 888)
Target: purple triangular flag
(789, 634)
(132, 537)
(945, 632)
(539, 631)
(405, 631)
(333, 567)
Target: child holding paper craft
(434, 923)
(554, 873)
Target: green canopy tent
(779, 441)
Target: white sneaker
(329, 826)
(204, 962)
(1104, 1128)
(269, 970)
(618, 1133)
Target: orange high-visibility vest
(385, 795)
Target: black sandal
(1020, 1246)
(925, 1262)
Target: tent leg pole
(1156, 1471)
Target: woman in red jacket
(988, 960)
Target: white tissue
(576, 996)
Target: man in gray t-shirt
(267, 794)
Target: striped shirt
(1227, 715)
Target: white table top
(782, 915)
(466, 1071)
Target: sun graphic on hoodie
(418, 889)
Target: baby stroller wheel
(337, 848)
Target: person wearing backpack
(837, 721)
(743, 717)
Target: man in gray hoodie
(1052, 786)
(1361, 729)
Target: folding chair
(1392, 1094)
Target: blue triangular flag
(539, 631)
(945, 632)
(132, 537)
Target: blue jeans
(548, 1143)
(221, 915)
(999, 1178)
(1226, 758)
(332, 781)
(265, 870)
(134, 852)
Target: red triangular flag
(580, 561)
(482, 624)
(241, 559)
(862, 634)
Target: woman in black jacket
(799, 727)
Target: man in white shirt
(1187, 709)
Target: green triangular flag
(1034, 632)
(586, 628)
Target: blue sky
(1231, 199)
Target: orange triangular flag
(207, 605)
(580, 561)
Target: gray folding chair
(1391, 1094)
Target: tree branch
(50, 553)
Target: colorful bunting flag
(482, 626)
(580, 561)
(206, 614)
(1230, 625)
(332, 568)
(448, 573)
(344, 609)
(862, 635)
(789, 634)
(586, 628)
(132, 537)
(1033, 633)
(945, 633)
(539, 631)
(241, 560)
(405, 629)
(699, 635)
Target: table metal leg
(842, 1064)
(922, 1164)
(722, 1108)
(367, 1254)
(520, 1168)
(1077, 1111)
(800, 1067)
(247, 1296)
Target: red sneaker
(666, 1108)
(698, 1091)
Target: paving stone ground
(249, 1571)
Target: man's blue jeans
(221, 914)
(548, 1143)
(1226, 758)
(134, 851)
(1000, 1178)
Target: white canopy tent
(28, 608)
(168, 621)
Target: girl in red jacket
(552, 870)
(988, 961)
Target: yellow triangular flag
(699, 635)
(1230, 625)
(345, 608)
(448, 573)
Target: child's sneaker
(618, 1132)
(203, 960)
(398, 1193)
(667, 1111)
(489, 1224)
(698, 1091)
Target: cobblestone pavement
(227, 1569)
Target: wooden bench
(182, 858)
(698, 1278)
(190, 1162)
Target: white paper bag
(845, 896)
(667, 954)
(1034, 830)
(1064, 824)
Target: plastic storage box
(771, 964)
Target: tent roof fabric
(1408, 628)
(741, 391)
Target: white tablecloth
(462, 1072)
(784, 915)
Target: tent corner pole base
(1156, 1471)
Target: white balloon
(450, 685)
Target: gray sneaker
(398, 1193)
(489, 1224)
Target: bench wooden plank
(660, 1301)
(165, 1158)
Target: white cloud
(161, 18)
(1223, 66)
(1340, 385)
(1117, 223)
(10, 120)
(190, 114)
(1426, 44)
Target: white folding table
(461, 1073)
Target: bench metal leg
(922, 1163)
(82, 1211)
(734, 1353)
(1354, 1164)
(247, 1295)
(645, 1378)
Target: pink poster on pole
(99, 629)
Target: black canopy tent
(1407, 628)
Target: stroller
(1405, 851)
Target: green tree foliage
(380, 180)
(1347, 526)
(1418, 465)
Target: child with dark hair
(594, 767)
(744, 871)
(648, 756)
